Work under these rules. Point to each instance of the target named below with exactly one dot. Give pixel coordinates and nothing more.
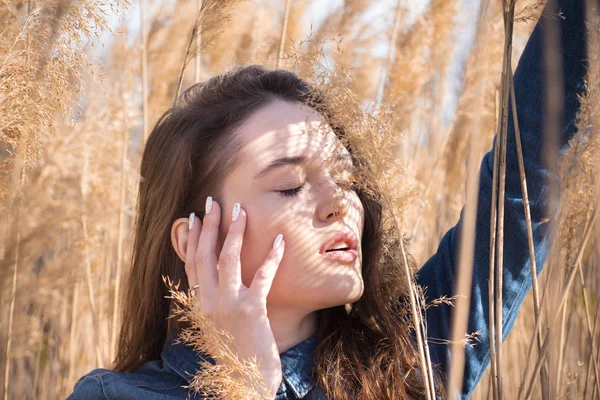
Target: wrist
(272, 380)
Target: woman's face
(307, 218)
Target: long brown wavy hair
(366, 352)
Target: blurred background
(83, 83)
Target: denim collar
(296, 364)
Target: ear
(179, 236)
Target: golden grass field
(79, 94)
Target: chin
(346, 291)
(354, 299)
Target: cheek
(254, 254)
(257, 244)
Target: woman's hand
(223, 297)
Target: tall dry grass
(72, 131)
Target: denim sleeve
(88, 387)
(438, 273)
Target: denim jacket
(162, 379)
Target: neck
(291, 327)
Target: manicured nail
(236, 212)
(208, 205)
(277, 241)
(191, 221)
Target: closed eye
(291, 192)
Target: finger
(206, 255)
(230, 271)
(192, 240)
(263, 278)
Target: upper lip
(347, 237)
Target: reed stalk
(38, 365)
(13, 296)
(87, 263)
(185, 60)
(416, 316)
(561, 349)
(538, 365)
(553, 121)
(144, 68)
(286, 16)
(508, 13)
(120, 242)
(72, 333)
(91, 296)
(464, 275)
(528, 225)
(591, 358)
(211, 13)
(198, 59)
(492, 273)
(391, 55)
(421, 306)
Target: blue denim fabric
(162, 379)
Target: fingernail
(191, 221)
(277, 241)
(236, 212)
(208, 205)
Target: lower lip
(347, 256)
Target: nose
(335, 205)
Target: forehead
(285, 128)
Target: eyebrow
(297, 160)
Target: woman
(240, 139)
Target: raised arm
(438, 273)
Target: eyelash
(291, 192)
(295, 191)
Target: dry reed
(72, 132)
